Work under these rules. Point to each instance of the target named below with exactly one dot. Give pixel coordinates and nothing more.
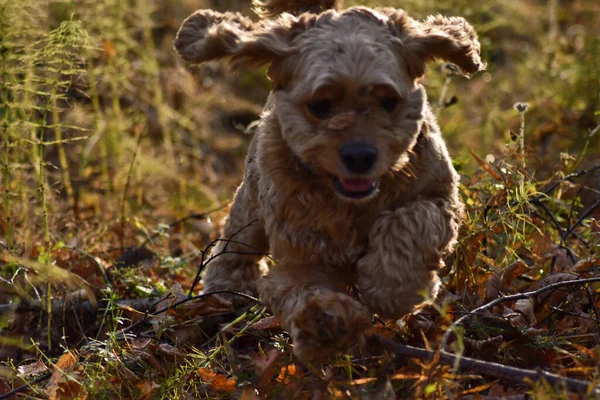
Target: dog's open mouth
(355, 188)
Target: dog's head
(346, 84)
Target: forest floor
(119, 162)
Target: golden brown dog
(348, 181)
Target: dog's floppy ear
(448, 38)
(208, 35)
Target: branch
(486, 367)
(568, 177)
(502, 299)
(143, 305)
(203, 263)
(25, 387)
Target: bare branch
(513, 297)
(487, 367)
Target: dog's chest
(311, 227)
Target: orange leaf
(488, 168)
(58, 386)
(217, 382)
(108, 48)
(286, 373)
(266, 323)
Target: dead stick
(25, 387)
(487, 367)
(513, 297)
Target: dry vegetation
(117, 161)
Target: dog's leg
(312, 305)
(235, 265)
(406, 246)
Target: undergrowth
(113, 153)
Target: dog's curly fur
(340, 78)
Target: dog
(348, 181)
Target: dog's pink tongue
(356, 184)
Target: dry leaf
(217, 382)
(146, 388)
(501, 280)
(266, 323)
(60, 386)
(553, 297)
(526, 307)
(265, 366)
(487, 167)
(286, 373)
(34, 369)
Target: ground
(118, 164)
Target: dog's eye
(320, 108)
(388, 103)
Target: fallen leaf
(60, 386)
(34, 369)
(146, 388)
(217, 382)
(265, 366)
(266, 323)
(286, 373)
(526, 308)
(501, 280)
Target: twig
(203, 264)
(502, 299)
(486, 367)
(570, 230)
(568, 177)
(581, 219)
(25, 387)
(60, 305)
(182, 220)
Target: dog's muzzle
(355, 188)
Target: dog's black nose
(358, 157)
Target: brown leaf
(552, 297)
(562, 261)
(69, 390)
(146, 388)
(34, 369)
(266, 323)
(286, 373)
(516, 319)
(487, 167)
(526, 308)
(501, 280)
(265, 366)
(217, 382)
(60, 386)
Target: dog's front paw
(326, 323)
